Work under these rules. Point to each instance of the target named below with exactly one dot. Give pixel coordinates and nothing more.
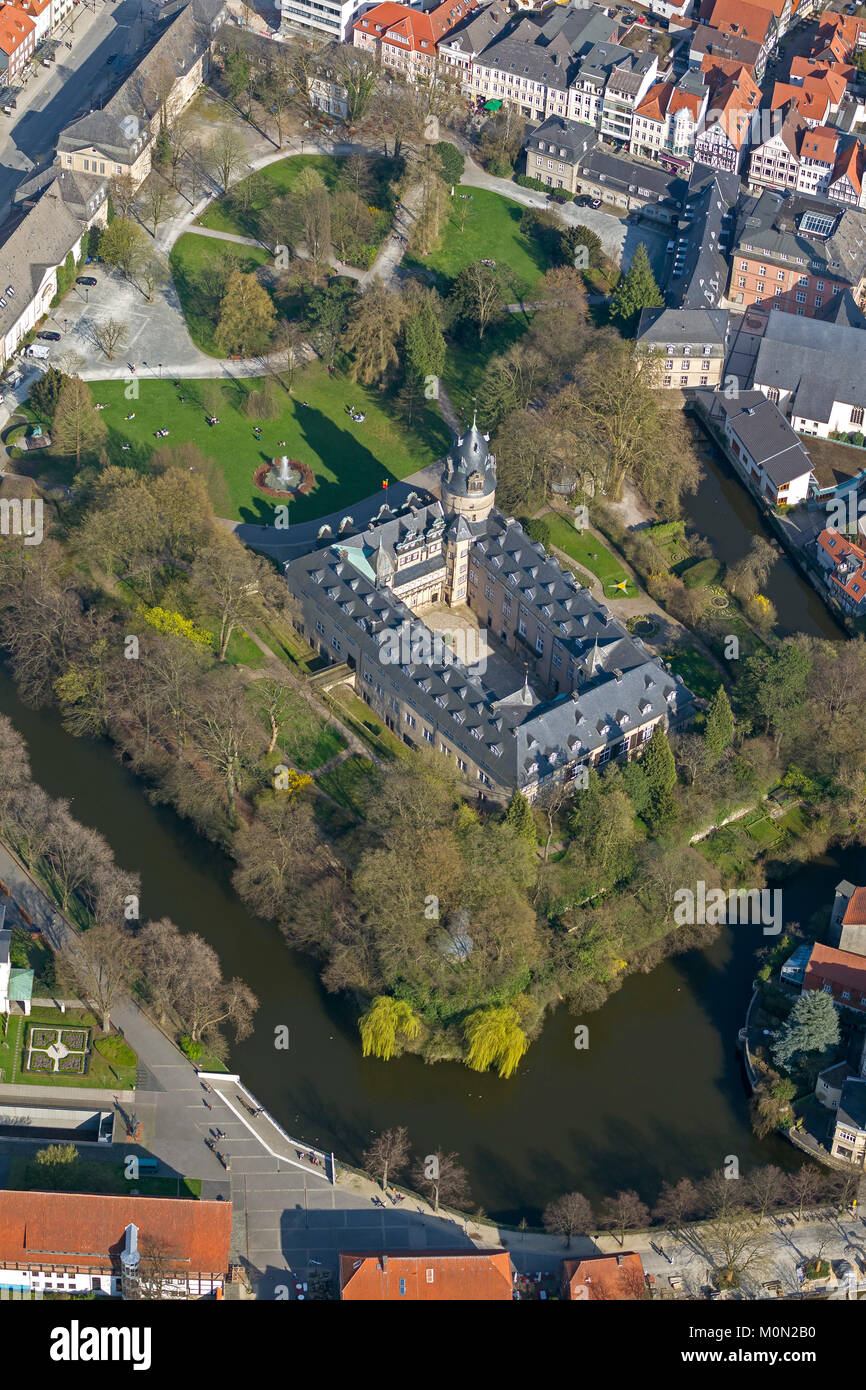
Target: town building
(459, 48)
(330, 96)
(555, 149)
(117, 140)
(704, 231)
(131, 1247)
(819, 161)
(746, 19)
(17, 42)
(734, 99)
(841, 974)
(815, 372)
(40, 11)
(694, 343)
(845, 565)
(405, 38)
(333, 18)
(16, 982)
(794, 253)
(667, 119)
(708, 43)
(762, 446)
(601, 1278)
(436, 1276)
(672, 10)
(628, 184)
(553, 683)
(849, 1130)
(848, 919)
(830, 1084)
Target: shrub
(499, 166)
(526, 181)
(190, 1049)
(115, 1049)
(538, 530)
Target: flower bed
(75, 1041)
(74, 1062)
(40, 1061)
(42, 1037)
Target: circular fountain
(284, 477)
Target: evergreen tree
(77, 427)
(811, 1026)
(519, 816)
(660, 771)
(45, 392)
(425, 345)
(636, 290)
(719, 724)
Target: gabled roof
(15, 27)
(601, 1278)
(841, 968)
(64, 1228)
(655, 103)
(742, 20)
(422, 28)
(820, 143)
(855, 912)
(436, 1276)
(850, 576)
(850, 164)
(765, 434)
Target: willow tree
(495, 1038)
(386, 1020)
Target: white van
(37, 350)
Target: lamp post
(160, 371)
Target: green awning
(492, 105)
(20, 984)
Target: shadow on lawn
(325, 439)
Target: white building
(329, 17)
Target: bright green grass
(764, 832)
(99, 1176)
(349, 460)
(491, 231)
(187, 256)
(305, 739)
(224, 216)
(794, 821)
(101, 1072)
(592, 554)
(367, 724)
(699, 674)
(351, 783)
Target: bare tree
(226, 156)
(804, 1186)
(623, 1212)
(153, 273)
(153, 200)
(100, 962)
(442, 1178)
(567, 1216)
(111, 336)
(736, 1247)
(77, 854)
(676, 1203)
(765, 1187)
(122, 191)
(388, 1154)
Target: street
(56, 95)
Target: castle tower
(469, 476)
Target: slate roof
(702, 242)
(42, 240)
(720, 45)
(771, 224)
(843, 309)
(765, 434)
(69, 1228)
(819, 362)
(475, 32)
(852, 1105)
(679, 327)
(620, 684)
(549, 48)
(627, 176)
(83, 194)
(116, 135)
(575, 138)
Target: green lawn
(491, 231)
(187, 256)
(111, 1063)
(466, 360)
(592, 554)
(306, 739)
(351, 783)
(699, 674)
(366, 724)
(96, 1175)
(225, 216)
(349, 460)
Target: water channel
(660, 1092)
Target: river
(659, 1093)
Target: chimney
(619, 1259)
(384, 1263)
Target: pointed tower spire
(474, 412)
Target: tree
(442, 1178)
(736, 1246)
(326, 312)
(45, 392)
(424, 343)
(568, 1216)
(77, 427)
(581, 247)
(246, 317)
(388, 1154)
(478, 296)
(122, 191)
(229, 579)
(312, 200)
(676, 1203)
(386, 1020)
(226, 155)
(359, 74)
(111, 336)
(373, 333)
(56, 1166)
(748, 576)
(804, 1184)
(495, 1039)
(765, 1187)
(519, 816)
(451, 161)
(623, 1211)
(636, 290)
(153, 200)
(811, 1026)
(153, 272)
(660, 771)
(225, 732)
(123, 244)
(101, 964)
(719, 724)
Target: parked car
(85, 280)
(49, 337)
(595, 203)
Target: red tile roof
(852, 583)
(821, 143)
(656, 102)
(855, 912)
(393, 18)
(65, 1228)
(436, 1276)
(851, 162)
(602, 1278)
(841, 968)
(733, 105)
(15, 27)
(746, 21)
